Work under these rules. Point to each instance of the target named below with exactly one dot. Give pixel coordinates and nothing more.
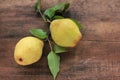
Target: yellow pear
(28, 50)
(65, 32)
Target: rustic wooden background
(96, 57)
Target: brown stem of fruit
(50, 44)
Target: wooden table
(96, 57)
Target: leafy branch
(53, 57)
(49, 15)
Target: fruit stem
(39, 10)
(42, 16)
(50, 44)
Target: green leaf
(77, 23)
(58, 17)
(66, 7)
(37, 6)
(53, 63)
(39, 33)
(50, 12)
(59, 49)
(59, 6)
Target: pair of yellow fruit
(64, 33)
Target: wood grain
(96, 57)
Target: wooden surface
(96, 57)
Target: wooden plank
(96, 57)
(89, 60)
(101, 31)
(97, 31)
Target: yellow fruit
(28, 50)
(65, 32)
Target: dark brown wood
(96, 57)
